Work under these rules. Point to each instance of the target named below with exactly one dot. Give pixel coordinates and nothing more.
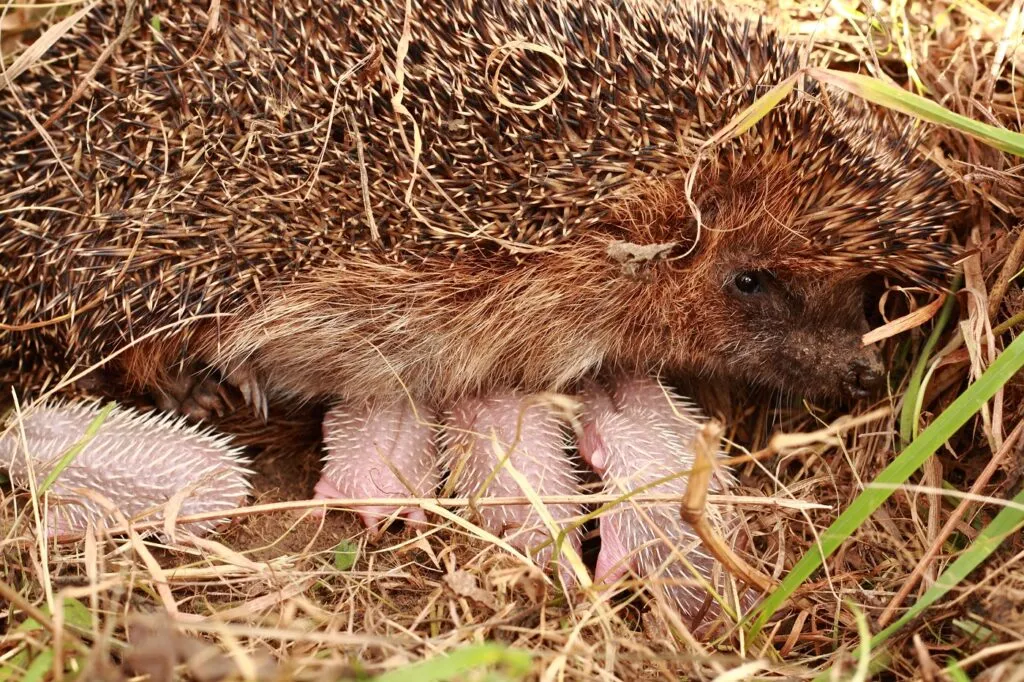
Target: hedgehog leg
(481, 433)
(193, 393)
(197, 392)
(379, 451)
(638, 434)
(245, 379)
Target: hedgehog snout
(866, 373)
(830, 363)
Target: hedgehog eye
(750, 281)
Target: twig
(1006, 273)
(694, 503)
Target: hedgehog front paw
(197, 395)
(379, 451)
(637, 434)
(248, 383)
(492, 441)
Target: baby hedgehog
(437, 212)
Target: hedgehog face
(795, 333)
(774, 293)
(783, 330)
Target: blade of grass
(1007, 522)
(40, 667)
(877, 92)
(44, 42)
(561, 547)
(461, 661)
(68, 457)
(746, 119)
(978, 13)
(901, 36)
(22, 666)
(910, 460)
(910, 414)
(955, 672)
(864, 647)
(890, 96)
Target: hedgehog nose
(866, 374)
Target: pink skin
(130, 468)
(636, 433)
(614, 559)
(379, 452)
(482, 431)
(603, 430)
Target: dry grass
(277, 596)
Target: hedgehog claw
(248, 384)
(207, 397)
(379, 452)
(195, 395)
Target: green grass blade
(910, 412)
(1009, 521)
(1006, 523)
(461, 661)
(19, 667)
(955, 672)
(40, 667)
(890, 96)
(864, 647)
(881, 93)
(77, 614)
(746, 119)
(76, 449)
(910, 460)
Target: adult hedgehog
(443, 208)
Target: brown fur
(214, 213)
(443, 329)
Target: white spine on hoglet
(136, 461)
(480, 432)
(379, 451)
(635, 433)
